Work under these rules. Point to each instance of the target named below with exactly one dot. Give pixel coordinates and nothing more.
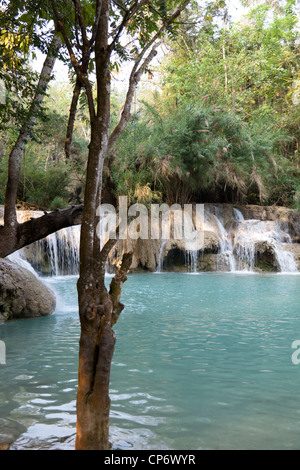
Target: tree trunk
(97, 340)
(96, 350)
(99, 311)
(14, 163)
(9, 233)
(98, 308)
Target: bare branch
(120, 6)
(79, 14)
(79, 70)
(36, 229)
(127, 16)
(139, 67)
(96, 22)
(72, 116)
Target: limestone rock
(22, 295)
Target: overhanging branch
(37, 228)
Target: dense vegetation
(222, 122)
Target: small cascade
(250, 233)
(226, 246)
(17, 258)
(215, 224)
(238, 245)
(57, 254)
(191, 260)
(286, 260)
(238, 215)
(161, 257)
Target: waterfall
(161, 256)
(192, 257)
(57, 254)
(251, 232)
(285, 260)
(226, 246)
(16, 258)
(238, 245)
(238, 215)
(240, 241)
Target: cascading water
(239, 242)
(16, 258)
(251, 232)
(192, 257)
(226, 246)
(57, 254)
(161, 256)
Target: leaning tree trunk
(9, 236)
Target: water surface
(201, 362)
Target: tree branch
(116, 286)
(137, 72)
(127, 16)
(36, 229)
(96, 22)
(134, 79)
(72, 117)
(79, 70)
(79, 14)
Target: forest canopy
(216, 118)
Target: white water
(161, 256)
(192, 257)
(251, 232)
(16, 258)
(238, 244)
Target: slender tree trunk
(14, 163)
(9, 232)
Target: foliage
(45, 174)
(197, 153)
(225, 126)
(42, 187)
(57, 203)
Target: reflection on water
(201, 362)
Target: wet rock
(22, 295)
(10, 431)
(265, 258)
